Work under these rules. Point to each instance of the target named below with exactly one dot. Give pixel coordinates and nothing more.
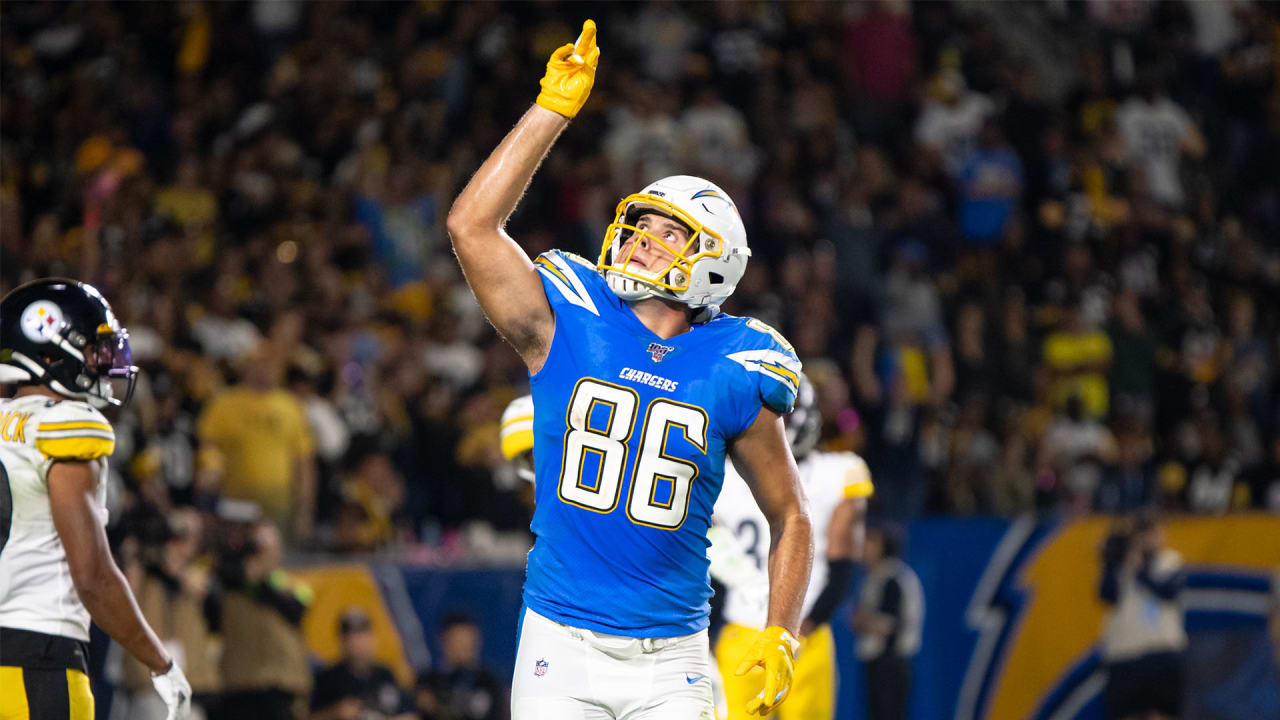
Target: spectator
(1157, 131)
(1265, 479)
(262, 433)
(902, 367)
(461, 689)
(1143, 639)
(1129, 484)
(265, 675)
(643, 140)
(357, 687)
(1072, 454)
(951, 120)
(1214, 476)
(1078, 358)
(661, 38)
(880, 65)
(371, 514)
(888, 620)
(1132, 377)
(990, 183)
(717, 141)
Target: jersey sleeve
(74, 431)
(856, 477)
(571, 281)
(772, 368)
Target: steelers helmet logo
(41, 321)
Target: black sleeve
(1109, 589)
(329, 689)
(213, 610)
(1167, 588)
(283, 601)
(891, 599)
(839, 573)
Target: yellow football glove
(571, 72)
(775, 650)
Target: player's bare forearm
(495, 190)
(99, 583)
(790, 560)
(499, 272)
(112, 606)
(764, 460)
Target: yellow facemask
(675, 277)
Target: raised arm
(762, 457)
(497, 269)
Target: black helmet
(61, 333)
(804, 422)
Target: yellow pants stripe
(813, 686)
(17, 698)
(79, 695)
(13, 695)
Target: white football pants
(568, 673)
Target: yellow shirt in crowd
(262, 434)
(1065, 353)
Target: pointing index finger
(587, 40)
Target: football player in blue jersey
(641, 387)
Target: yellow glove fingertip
(587, 39)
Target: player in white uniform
(62, 346)
(837, 485)
(515, 437)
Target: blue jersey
(630, 433)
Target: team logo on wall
(657, 351)
(1024, 667)
(41, 321)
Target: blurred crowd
(1025, 251)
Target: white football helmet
(706, 270)
(515, 436)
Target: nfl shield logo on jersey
(657, 352)
(540, 668)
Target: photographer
(176, 595)
(1143, 639)
(264, 665)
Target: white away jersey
(36, 592)
(827, 478)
